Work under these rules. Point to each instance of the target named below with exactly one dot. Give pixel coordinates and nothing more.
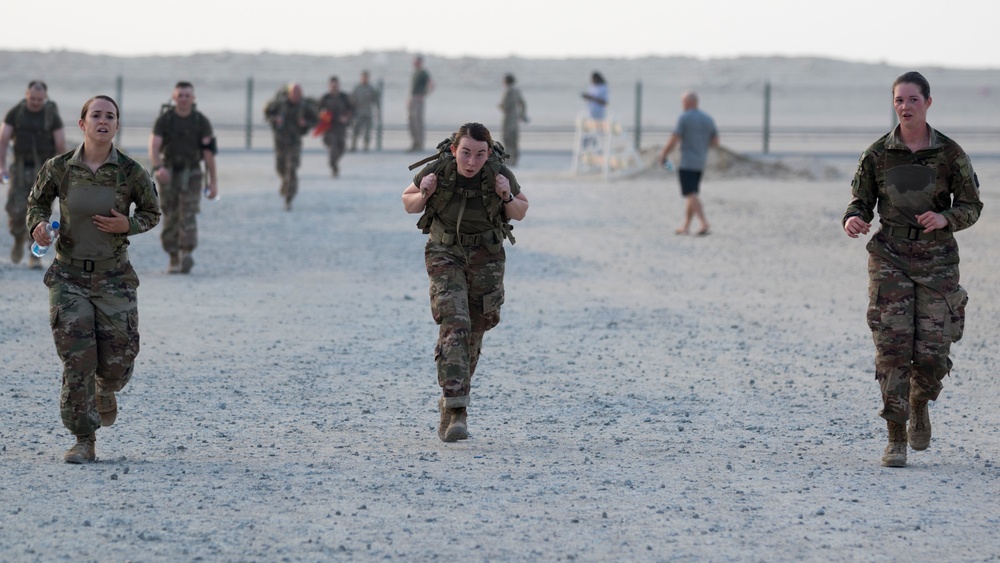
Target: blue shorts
(690, 179)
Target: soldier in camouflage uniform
(421, 86)
(182, 137)
(92, 286)
(37, 131)
(364, 98)
(467, 198)
(291, 116)
(925, 190)
(514, 112)
(339, 110)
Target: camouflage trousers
(511, 134)
(415, 119)
(180, 203)
(466, 292)
(916, 310)
(287, 159)
(335, 140)
(362, 127)
(95, 326)
(22, 178)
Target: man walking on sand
(182, 137)
(696, 133)
(421, 86)
(291, 116)
(36, 129)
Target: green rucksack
(445, 169)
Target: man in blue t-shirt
(695, 132)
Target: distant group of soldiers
(291, 116)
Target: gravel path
(646, 397)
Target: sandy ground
(646, 397)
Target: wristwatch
(506, 201)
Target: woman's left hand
(503, 187)
(932, 221)
(117, 223)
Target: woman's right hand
(428, 184)
(855, 226)
(41, 234)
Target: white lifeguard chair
(601, 147)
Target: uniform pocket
(874, 313)
(493, 301)
(955, 323)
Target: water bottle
(53, 230)
(208, 195)
(668, 166)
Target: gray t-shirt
(696, 130)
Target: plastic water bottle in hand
(668, 165)
(208, 194)
(53, 230)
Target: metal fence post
(119, 88)
(638, 114)
(767, 116)
(378, 123)
(249, 112)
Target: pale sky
(916, 33)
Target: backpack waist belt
(913, 233)
(440, 236)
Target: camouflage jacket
(290, 121)
(904, 184)
(60, 174)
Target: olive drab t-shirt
(182, 138)
(33, 142)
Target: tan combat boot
(17, 251)
(83, 451)
(175, 263)
(920, 426)
(187, 262)
(452, 427)
(107, 406)
(895, 452)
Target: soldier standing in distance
(468, 198)
(37, 131)
(421, 86)
(696, 133)
(182, 137)
(364, 98)
(340, 109)
(291, 116)
(92, 286)
(514, 112)
(925, 189)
